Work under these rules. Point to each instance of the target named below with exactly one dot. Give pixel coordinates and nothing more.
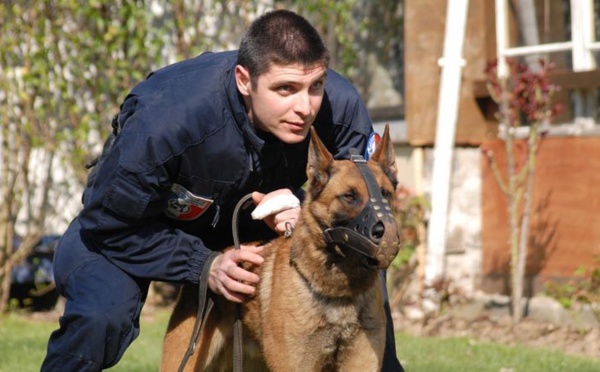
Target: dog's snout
(378, 230)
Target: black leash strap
(238, 355)
(205, 303)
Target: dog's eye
(349, 196)
(386, 194)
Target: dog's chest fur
(291, 311)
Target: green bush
(584, 288)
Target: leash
(238, 355)
(206, 303)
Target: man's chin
(293, 137)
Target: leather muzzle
(373, 232)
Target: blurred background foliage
(66, 65)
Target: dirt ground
(580, 342)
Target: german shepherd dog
(318, 306)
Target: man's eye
(317, 85)
(285, 89)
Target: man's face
(285, 99)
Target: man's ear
(242, 80)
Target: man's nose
(302, 104)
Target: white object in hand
(277, 204)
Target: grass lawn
(23, 346)
(462, 354)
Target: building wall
(565, 222)
(464, 246)
(463, 231)
(424, 38)
(565, 233)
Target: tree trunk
(513, 204)
(527, 19)
(513, 210)
(6, 249)
(527, 198)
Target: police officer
(192, 140)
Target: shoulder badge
(185, 206)
(372, 142)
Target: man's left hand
(282, 220)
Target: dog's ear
(318, 165)
(384, 155)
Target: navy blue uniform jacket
(164, 195)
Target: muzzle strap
(348, 238)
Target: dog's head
(352, 200)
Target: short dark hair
(282, 37)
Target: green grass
(463, 354)
(23, 346)
(22, 343)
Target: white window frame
(582, 46)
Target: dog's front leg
(214, 346)
(365, 353)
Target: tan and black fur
(317, 307)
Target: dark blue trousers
(102, 311)
(390, 360)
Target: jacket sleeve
(123, 216)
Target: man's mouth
(297, 125)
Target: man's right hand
(228, 279)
